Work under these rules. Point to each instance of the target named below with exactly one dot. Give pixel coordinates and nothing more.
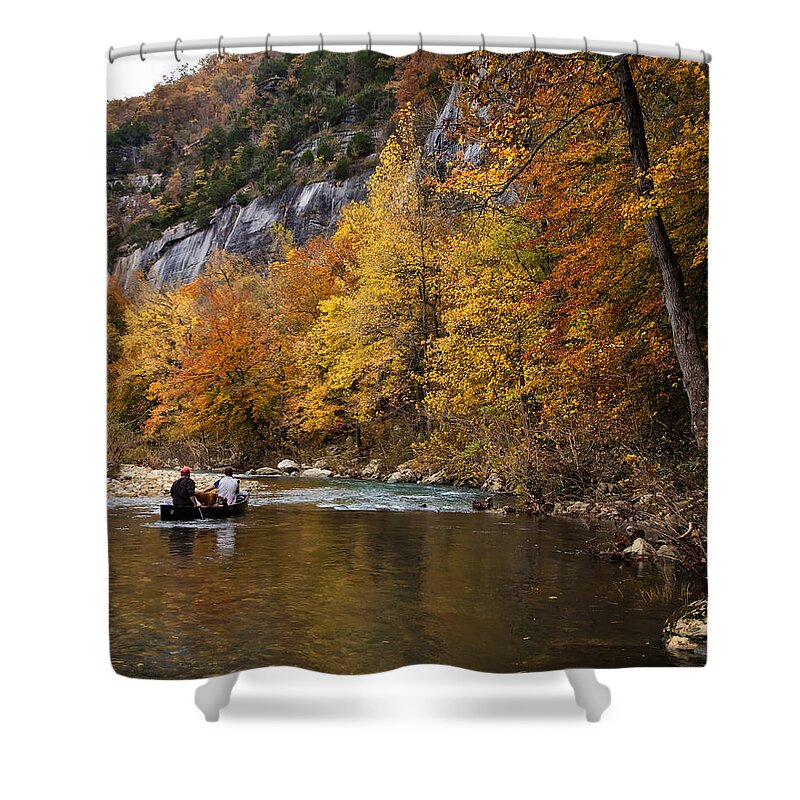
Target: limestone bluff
(179, 254)
(324, 161)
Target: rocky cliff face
(178, 255)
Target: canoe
(180, 513)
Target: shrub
(326, 149)
(360, 145)
(335, 108)
(307, 158)
(342, 168)
(372, 98)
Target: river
(351, 576)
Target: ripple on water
(352, 495)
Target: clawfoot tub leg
(214, 695)
(591, 695)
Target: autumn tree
(556, 149)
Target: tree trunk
(692, 360)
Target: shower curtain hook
(535, 48)
(267, 48)
(321, 43)
(141, 55)
(175, 48)
(220, 48)
(705, 57)
(420, 45)
(679, 51)
(483, 43)
(585, 45)
(110, 57)
(369, 42)
(637, 46)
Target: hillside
(217, 157)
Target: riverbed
(351, 576)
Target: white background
(74, 728)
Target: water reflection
(181, 542)
(226, 538)
(367, 590)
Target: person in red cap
(182, 490)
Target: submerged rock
(502, 499)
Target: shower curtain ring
(483, 43)
(321, 43)
(705, 57)
(267, 48)
(535, 47)
(220, 48)
(141, 54)
(679, 51)
(369, 42)
(110, 57)
(420, 45)
(637, 46)
(175, 49)
(585, 45)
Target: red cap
(185, 471)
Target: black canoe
(181, 513)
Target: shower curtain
(407, 363)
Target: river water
(353, 576)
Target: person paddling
(182, 490)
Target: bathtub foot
(591, 695)
(214, 695)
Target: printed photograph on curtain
(407, 363)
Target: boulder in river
(686, 631)
(266, 471)
(402, 476)
(287, 465)
(372, 471)
(314, 472)
(640, 549)
(437, 479)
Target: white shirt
(228, 488)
